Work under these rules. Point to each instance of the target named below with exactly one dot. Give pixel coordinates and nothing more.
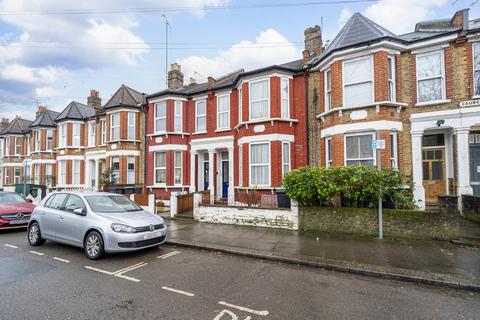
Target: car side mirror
(29, 200)
(80, 211)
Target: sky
(53, 52)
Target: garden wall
(471, 207)
(396, 223)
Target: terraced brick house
(416, 91)
(244, 130)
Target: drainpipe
(308, 115)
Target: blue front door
(225, 179)
(205, 175)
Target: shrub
(350, 186)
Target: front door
(205, 175)
(434, 180)
(225, 179)
(475, 162)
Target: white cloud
(344, 16)
(269, 47)
(47, 92)
(401, 16)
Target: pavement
(428, 262)
(56, 281)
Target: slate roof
(76, 111)
(125, 96)
(46, 119)
(17, 126)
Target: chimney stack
(211, 83)
(41, 109)
(313, 40)
(192, 82)
(4, 123)
(94, 99)
(175, 77)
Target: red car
(15, 210)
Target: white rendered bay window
(358, 81)
(430, 77)
(260, 164)
(259, 99)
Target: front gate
(185, 205)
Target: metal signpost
(379, 145)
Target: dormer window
(161, 116)
(259, 99)
(358, 82)
(430, 77)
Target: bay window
(115, 169)
(160, 167)
(49, 142)
(328, 90)
(223, 112)
(76, 172)
(131, 126)
(285, 95)
(76, 135)
(178, 117)
(131, 170)
(115, 126)
(430, 77)
(358, 150)
(328, 152)
(48, 174)
(103, 125)
(161, 116)
(201, 116)
(62, 135)
(476, 68)
(285, 158)
(259, 99)
(358, 82)
(91, 134)
(178, 168)
(260, 164)
(17, 146)
(391, 78)
(36, 137)
(7, 151)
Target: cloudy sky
(52, 52)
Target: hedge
(348, 187)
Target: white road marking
(135, 266)
(244, 309)
(232, 315)
(99, 270)
(120, 273)
(11, 246)
(178, 291)
(37, 253)
(168, 255)
(61, 260)
(127, 278)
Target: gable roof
(46, 119)
(17, 126)
(76, 111)
(125, 96)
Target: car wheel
(93, 246)
(34, 235)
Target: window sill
(124, 140)
(369, 105)
(246, 123)
(432, 103)
(164, 186)
(199, 132)
(165, 133)
(223, 130)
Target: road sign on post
(379, 145)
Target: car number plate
(25, 221)
(151, 235)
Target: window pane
(366, 150)
(429, 65)
(259, 90)
(358, 94)
(437, 170)
(477, 82)
(178, 159)
(430, 90)
(201, 107)
(358, 71)
(352, 147)
(426, 171)
(57, 201)
(160, 176)
(74, 202)
(160, 159)
(260, 153)
(160, 109)
(259, 109)
(201, 124)
(433, 140)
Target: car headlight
(117, 227)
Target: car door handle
(43, 213)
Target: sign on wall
(470, 103)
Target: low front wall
(271, 218)
(471, 207)
(364, 222)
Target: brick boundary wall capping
(471, 207)
(411, 224)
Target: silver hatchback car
(98, 222)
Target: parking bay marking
(120, 273)
(244, 309)
(168, 255)
(37, 253)
(61, 260)
(185, 293)
(10, 246)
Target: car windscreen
(11, 198)
(111, 204)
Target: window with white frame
(28, 145)
(260, 164)
(7, 176)
(177, 121)
(328, 152)
(223, 112)
(161, 116)
(62, 135)
(476, 68)
(393, 150)
(62, 172)
(259, 99)
(328, 90)
(285, 95)
(115, 168)
(16, 175)
(76, 135)
(103, 125)
(358, 81)
(240, 165)
(430, 77)
(17, 146)
(391, 78)
(131, 170)
(36, 137)
(115, 126)
(201, 116)
(7, 151)
(358, 150)
(48, 174)
(49, 140)
(240, 102)
(36, 173)
(160, 167)
(131, 126)
(76, 172)
(285, 158)
(91, 134)
(178, 168)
